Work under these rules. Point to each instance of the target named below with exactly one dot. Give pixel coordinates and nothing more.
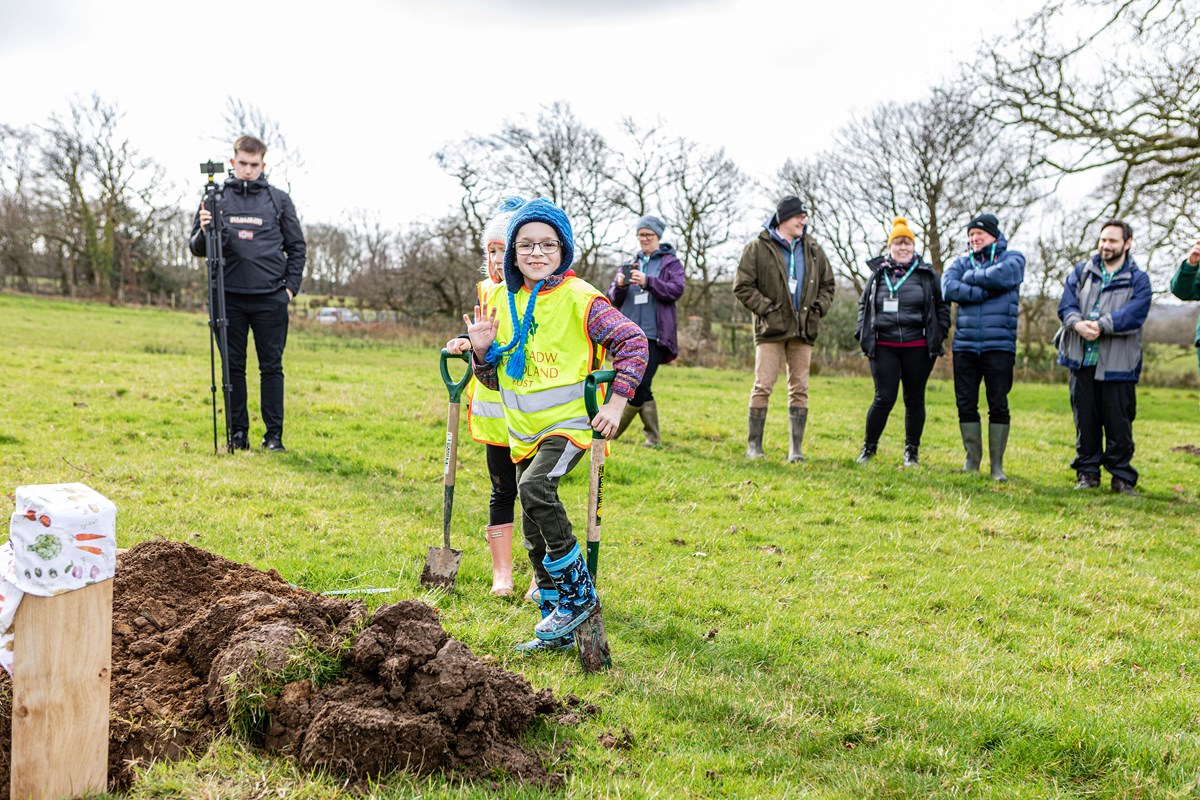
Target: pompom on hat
(900, 228)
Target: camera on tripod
(212, 168)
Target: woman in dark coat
(902, 322)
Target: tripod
(218, 322)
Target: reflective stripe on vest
(485, 413)
(548, 401)
(577, 424)
(541, 401)
(487, 410)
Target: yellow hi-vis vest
(485, 412)
(559, 354)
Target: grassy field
(815, 630)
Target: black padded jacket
(262, 240)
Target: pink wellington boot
(499, 539)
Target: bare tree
(331, 257)
(246, 119)
(641, 170)
(17, 207)
(375, 254)
(554, 156)
(706, 192)
(1122, 97)
(469, 163)
(929, 161)
(105, 195)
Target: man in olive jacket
(785, 280)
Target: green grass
(815, 630)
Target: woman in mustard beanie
(902, 322)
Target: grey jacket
(1124, 304)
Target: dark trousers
(891, 367)
(504, 485)
(267, 316)
(995, 369)
(644, 393)
(543, 517)
(1104, 412)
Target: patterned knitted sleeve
(624, 341)
(485, 373)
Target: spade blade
(441, 568)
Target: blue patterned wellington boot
(547, 600)
(577, 597)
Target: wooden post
(63, 662)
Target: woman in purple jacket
(645, 289)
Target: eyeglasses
(647, 235)
(549, 248)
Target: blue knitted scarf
(514, 368)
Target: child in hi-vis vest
(536, 339)
(485, 414)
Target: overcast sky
(368, 90)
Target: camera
(212, 168)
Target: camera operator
(264, 264)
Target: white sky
(368, 90)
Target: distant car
(335, 316)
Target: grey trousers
(543, 517)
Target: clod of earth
(203, 646)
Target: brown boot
(627, 416)
(650, 423)
(499, 539)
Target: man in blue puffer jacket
(986, 285)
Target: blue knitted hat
(539, 210)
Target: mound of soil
(409, 696)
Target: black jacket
(933, 315)
(263, 245)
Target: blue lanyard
(888, 279)
(792, 259)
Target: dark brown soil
(409, 696)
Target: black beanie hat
(986, 223)
(790, 206)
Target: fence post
(61, 676)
